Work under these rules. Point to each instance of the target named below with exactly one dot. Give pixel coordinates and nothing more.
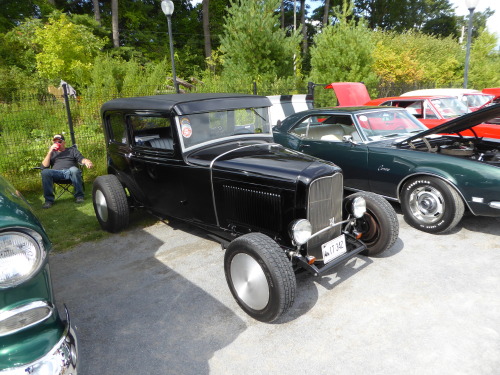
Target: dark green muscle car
(436, 174)
(34, 338)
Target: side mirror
(348, 139)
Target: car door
(322, 136)
(156, 165)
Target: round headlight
(20, 257)
(301, 231)
(358, 207)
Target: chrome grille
(324, 204)
(261, 209)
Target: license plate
(334, 248)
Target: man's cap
(58, 136)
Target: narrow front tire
(379, 225)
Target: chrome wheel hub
(101, 205)
(427, 204)
(249, 281)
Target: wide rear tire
(110, 203)
(260, 276)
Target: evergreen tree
(254, 46)
(343, 52)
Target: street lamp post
(471, 5)
(167, 6)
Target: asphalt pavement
(155, 301)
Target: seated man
(64, 162)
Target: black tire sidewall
(245, 245)
(387, 225)
(116, 202)
(449, 203)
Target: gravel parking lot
(155, 301)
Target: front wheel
(110, 203)
(431, 205)
(260, 276)
(379, 225)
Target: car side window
(151, 132)
(118, 129)
(429, 112)
(326, 128)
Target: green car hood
(15, 211)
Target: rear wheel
(379, 225)
(110, 203)
(431, 205)
(260, 276)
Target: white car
(473, 99)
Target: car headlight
(21, 256)
(358, 207)
(301, 231)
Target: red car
(430, 110)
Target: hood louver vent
(260, 209)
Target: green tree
(484, 61)
(343, 52)
(479, 20)
(67, 50)
(254, 46)
(414, 57)
(13, 12)
(402, 14)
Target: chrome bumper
(61, 360)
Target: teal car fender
(33, 337)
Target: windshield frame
(391, 133)
(186, 123)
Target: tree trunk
(114, 23)
(325, 14)
(303, 23)
(282, 10)
(206, 29)
(97, 12)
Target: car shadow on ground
(307, 284)
(134, 314)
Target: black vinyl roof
(186, 103)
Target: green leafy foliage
(343, 53)
(67, 50)
(484, 62)
(254, 47)
(416, 57)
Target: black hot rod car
(210, 160)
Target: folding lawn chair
(65, 186)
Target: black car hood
(264, 160)
(461, 123)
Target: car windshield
(476, 100)
(209, 127)
(388, 123)
(450, 107)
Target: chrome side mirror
(348, 139)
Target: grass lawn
(69, 224)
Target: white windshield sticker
(186, 129)
(363, 118)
